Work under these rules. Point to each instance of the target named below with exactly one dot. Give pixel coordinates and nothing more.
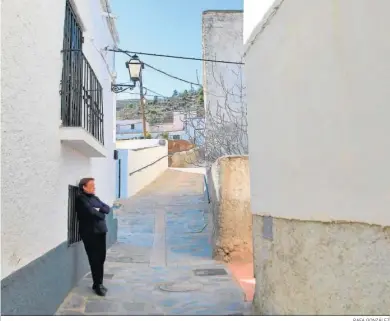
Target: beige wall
(140, 158)
(318, 75)
(317, 268)
(228, 181)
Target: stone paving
(161, 264)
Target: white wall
(136, 144)
(139, 159)
(224, 84)
(318, 81)
(140, 154)
(222, 40)
(97, 36)
(36, 168)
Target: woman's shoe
(99, 290)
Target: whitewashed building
(58, 125)
(224, 83)
(177, 128)
(318, 77)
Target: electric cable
(128, 52)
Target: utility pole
(142, 104)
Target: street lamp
(135, 67)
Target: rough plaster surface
(315, 268)
(36, 167)
(228, 182)
(318, 111)
(222, 35)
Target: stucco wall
(228, 184)
(156, 157)
(36, 167)
(148, 153)
(311, 268)
(136, 144)
(224, 84)
(318, 112)
(319, 155)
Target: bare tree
(215, 118)
(223, 130)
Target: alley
(161, 264)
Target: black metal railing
(82, 95)
(73, 223)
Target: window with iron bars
(81, 92)
(73, 223)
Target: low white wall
(149, 163)
(147, 160)
(137, 143)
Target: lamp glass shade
(135, 69)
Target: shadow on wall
(228, 181)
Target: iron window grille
(73, 223)
(81, 91)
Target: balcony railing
(82, 95)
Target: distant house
(181, 127)
(175, 129)
(131, 126)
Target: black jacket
(90, 219)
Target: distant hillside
(120, 104)
(160, 110)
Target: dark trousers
(95, 246)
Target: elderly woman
(91, 214)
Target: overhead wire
(172, 76)
(154, 92)
(128, 52)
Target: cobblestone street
(161, 264)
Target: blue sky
(172, 27)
